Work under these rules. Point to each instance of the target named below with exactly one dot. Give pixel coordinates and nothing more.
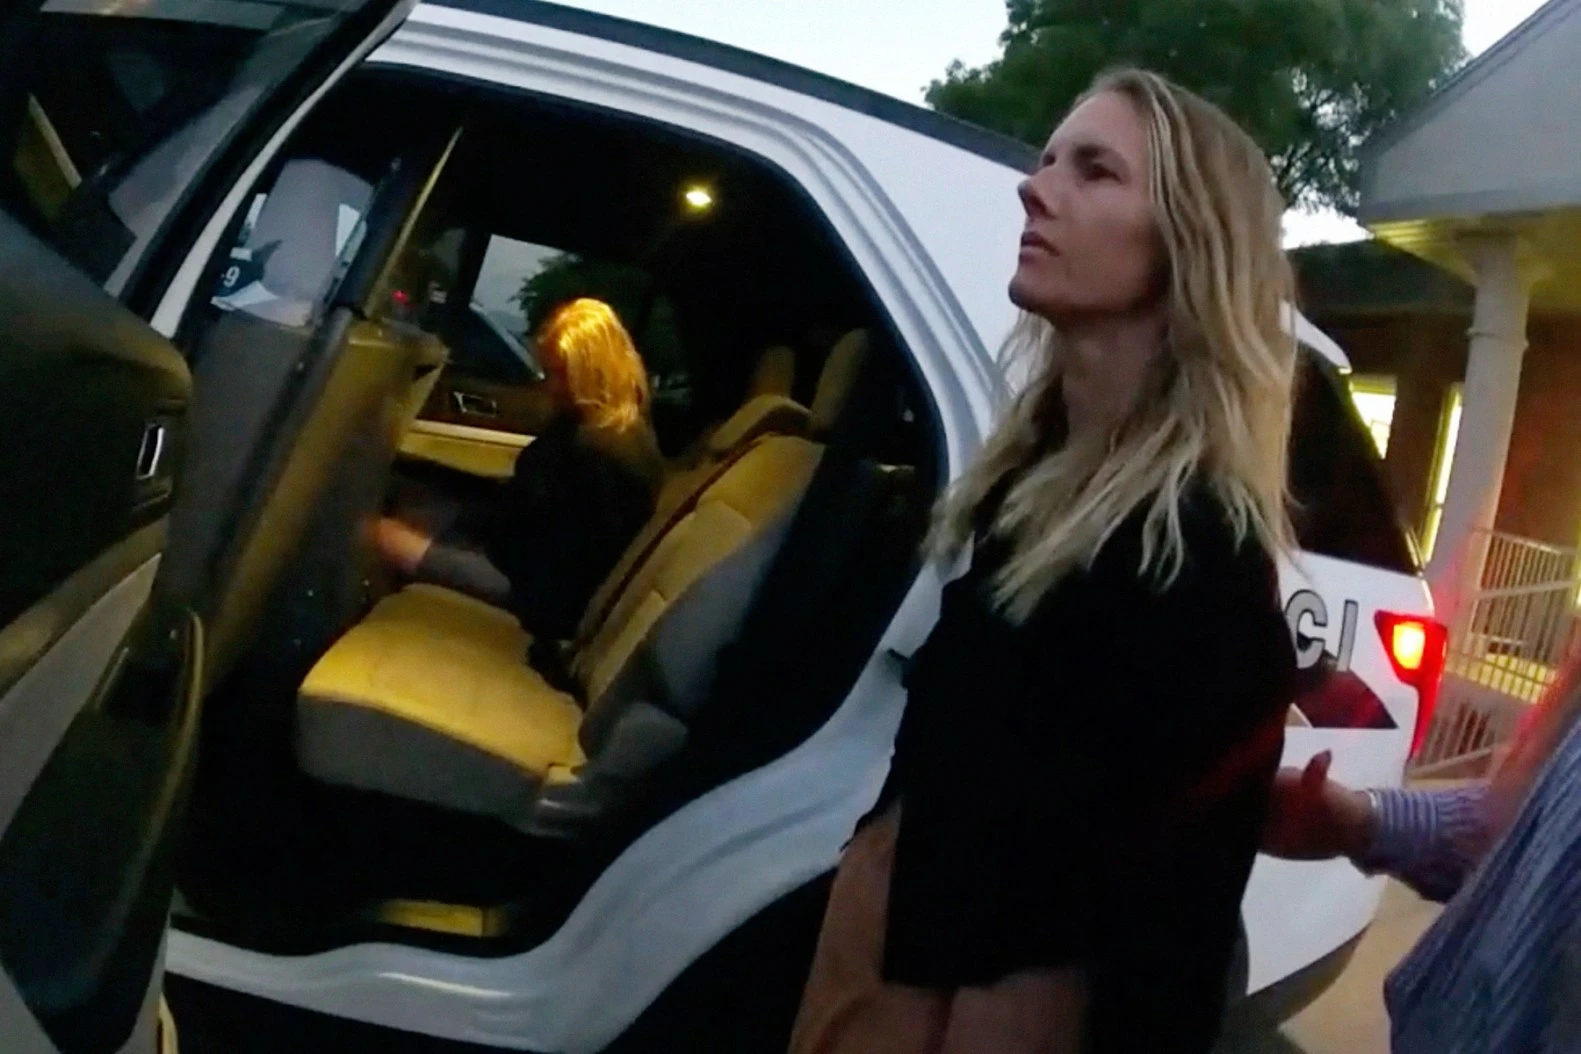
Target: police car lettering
(1329, 694)
(1307, 615)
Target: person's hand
(399, 544)
(1310, 817)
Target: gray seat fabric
(775, 373)
(836, 380)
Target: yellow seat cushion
(452, 666)
(452, 615)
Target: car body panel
(929, 223)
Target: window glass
(1374, 398)
(505, 347)
(493, 360)
(507, 264)
(109, 112)
(1341, 507)
(294, 241)
(629, 290)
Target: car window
(519, 284)
(1341, 506)
(296, 238)
(503, 347)
(632, 291)
(507, 264)
(110, 112)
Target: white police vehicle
(260, 261)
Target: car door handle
(151, 452)
(474, 405)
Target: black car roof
(969, 137)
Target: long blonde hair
(584, 342)
(1216, 408)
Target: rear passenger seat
(430, 697)
(768, 406)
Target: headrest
(775, 373)
(839, 376)
(305, 224)
(762, 415)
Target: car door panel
(100, 669)
(92, 673)
(458, 399)
(477, 427)
(474, 452)
(82, 385)
(87, 878)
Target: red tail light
(1417, 648)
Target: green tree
(1311, 80)
(568, 276)
(627, 289)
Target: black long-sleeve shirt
(578, 497)
(1087, 788)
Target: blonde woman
(579, 494)
(1500, 969)
(1081, 776)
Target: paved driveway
(1350, 1018)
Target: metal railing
(1506, 645)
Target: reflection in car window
(110, 112)
(293, 243)
(631, 290)
(521, 283)
(506, 264)
(1341, 506)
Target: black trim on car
(969, 137)
(1341, 501)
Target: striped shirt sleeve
(1428, 839)
(1500, 968)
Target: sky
(860, 41)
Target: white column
(1493, 378)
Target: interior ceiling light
(698, 198)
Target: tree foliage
(627, 289)
(566, 277)
(1311, 80)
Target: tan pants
(849, 1009)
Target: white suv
(245, 248)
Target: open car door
(129, 135)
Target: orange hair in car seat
(584, 342)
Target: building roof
(1493, 152)
(1502, 51)
(1498, 139)
(1370, 277)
